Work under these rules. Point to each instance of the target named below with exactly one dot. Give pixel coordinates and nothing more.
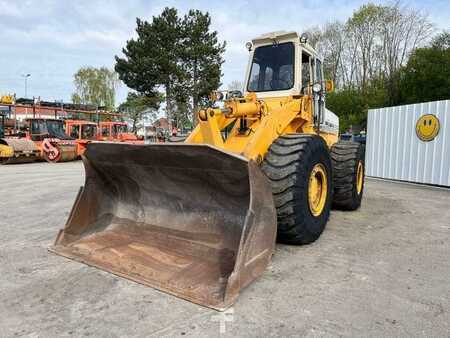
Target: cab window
(75, 131)
(306, 72)
(318, 71)
(88, 131)
(105, 131)
(119, 129)
(272, 68)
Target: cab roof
(278, 35)
(80, 122)
(281, 35)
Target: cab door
(311, 74)
(319, 98)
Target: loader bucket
(18, 150)
(190, 220)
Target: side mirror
(329, 86)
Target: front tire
(299, 169)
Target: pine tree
(152, 60)
(180, 55)
(201, 58)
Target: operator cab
(41, 129)
(81, 130)
(283, 64)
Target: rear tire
(294, 164)
(348, 174)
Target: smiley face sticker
(427, 127)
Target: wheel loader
(199, 220)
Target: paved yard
(381, 271)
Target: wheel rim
(359, 177)
(317, 189)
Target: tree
(441, 41)
(202, 57)
(96, 86)
(152, 60)
(373, 43)
(236, 85)
(365, 55)
(402, 30)
(330, 43)
(181, 56)
(351, 105)
(139, 107)
(363, 28)
(426, 76)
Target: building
(20, 109)
(162, 123)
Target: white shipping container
(396, 150)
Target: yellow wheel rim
(317, 189)
(359, 177)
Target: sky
(52, 39)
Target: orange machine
(83, 132)
(117, 132)
(50, 138)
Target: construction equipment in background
(13, 148)
(360, 137)
(7, 99)
(199, 219)
(51, 139)
(82, 131)
(154, 134)
(116, 131)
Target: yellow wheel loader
(199, 220)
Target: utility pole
(26, 76)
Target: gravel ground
(381, 271)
